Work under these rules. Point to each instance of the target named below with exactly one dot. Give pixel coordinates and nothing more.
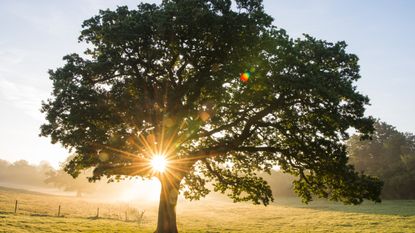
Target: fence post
(98, 212)
(15, 207)
(59, 210)
(140, 220)
(126, 218)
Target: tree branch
(215, 151)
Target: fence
(123, 213)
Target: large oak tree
(164, 80)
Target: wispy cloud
(23, 97)
(16, 88)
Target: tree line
(389, 155)
(22, 174)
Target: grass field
(37, 213)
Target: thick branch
(215, 151)
(134, 169)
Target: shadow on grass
(404, 208)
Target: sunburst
(157, 154)
(159, 163)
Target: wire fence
(120, 212)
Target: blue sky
(35, 35)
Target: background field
(37, 213)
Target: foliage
(390, 155)
(165, 79)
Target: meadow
(38, 213)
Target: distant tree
(4, 165)
(62, 180)
(165, 80)
(281, 184)
(390, 155)
(23, 173)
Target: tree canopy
(390, 155)
(165, 79)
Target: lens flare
(245, 77)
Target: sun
(159, 163)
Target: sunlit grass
(209, 215)
(27, 224)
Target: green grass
(285, 215)
(23, 223)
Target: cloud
(21, 82)
(23, 97)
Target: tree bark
(166, 222)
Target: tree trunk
(167, 207)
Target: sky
(35, 35)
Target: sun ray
(146, 145)
(122, 152)
(156, 154)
